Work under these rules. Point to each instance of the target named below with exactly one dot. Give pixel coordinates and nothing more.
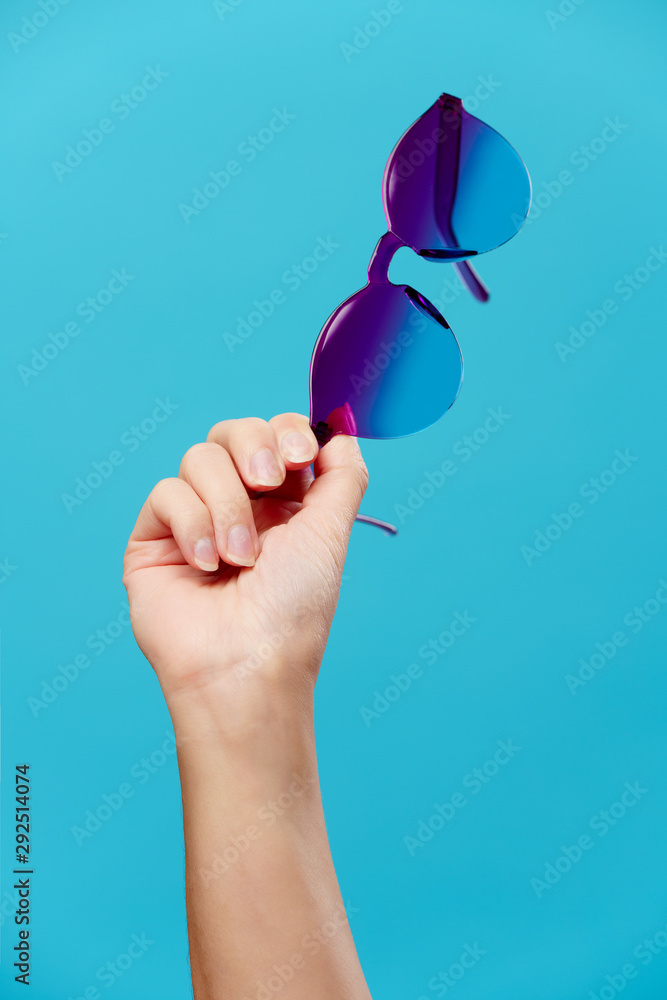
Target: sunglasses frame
(451, 113)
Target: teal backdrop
(496, 798)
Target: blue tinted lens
(385, 365)
(453, 186)
(492, 188)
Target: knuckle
(229, 510)
(164, 486)
(298, 417)
(216, 430)
(290, 421)
(195, 525)
(253, 424)
(196, 453)
(226, 429)
(201, 448)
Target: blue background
(554, 84)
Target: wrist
(261, 723)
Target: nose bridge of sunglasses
(387, 246)
(378, 267)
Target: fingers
(211, 472)
(173, 508)
(298, 445)
(242, 455)
(207, 508)
(254, 448)
(339, 486)
(265, 452)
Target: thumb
(341, 478)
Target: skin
(235, 628)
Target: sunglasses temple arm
(472, 280)
(389, 529)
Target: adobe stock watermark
(275, 641)
(121, 108)
(463, 450)
(98, 642)
(248, 150)
(485, 86)
(9, 907)
(267, 815)
(644, 952)
(311, 944)
(7, 569)
(451, 289)
(102, 469)
(635, 620)
(223, 9)
(32, 25)
(109, 973)
(373, 368)
(474, 781)
(591, 491)
(291, 279)
(581, 158)
(601, 824)
(111, 802)
(424, 147)
(88, 310)
(564, 11)
(446, 979)
(625, 288)
(364, 34)
(430, 651)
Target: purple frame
(421, 211)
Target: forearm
(263, 902)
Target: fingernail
(296, 447)
(264, 469)
(206, 554)
(240, 546)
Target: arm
(263, 901)
(472, 280)
(237, 652)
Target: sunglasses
(386, 363)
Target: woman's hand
(232, 572)
(233, 568)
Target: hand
(232, 572)
(233, 569)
